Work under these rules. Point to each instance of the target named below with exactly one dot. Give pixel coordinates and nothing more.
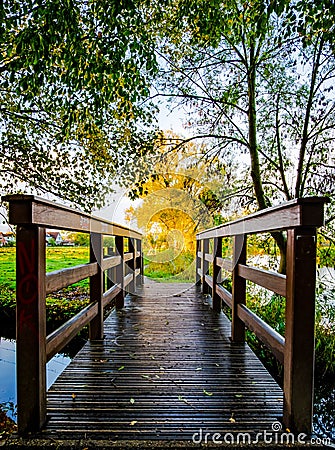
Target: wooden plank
(29, 209)
(270, 337)
(270, 280)
(199, 254)
(299, 212)
(57, 340)
(165, 369)
(128, 256)
(209, 257)
(128, 279)
(110, 295)
(225, 263)
(225, 295)
(209, 280)
(111, 261)
(137, 272)
(30, 328)
(299, 329)
(65, 277)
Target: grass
(56, 258)
(170, 268)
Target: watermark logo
(274, 436)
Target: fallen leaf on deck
(133, 422)
(198, 368)
(121, 368)
(73, 396)
(238, 395)
(132, 401)
(207, 393)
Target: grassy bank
(56, 258)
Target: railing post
(139, 263)
(238, 288)
(120, 272)
(198, 263)
(217, 252)
(299, 329)
(111, 271)
(204, 267)
(30, 328)
(96, 329)
(132, 263)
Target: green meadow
(56, 258)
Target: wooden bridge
(167, 362)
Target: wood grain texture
(295, 213)
(29, 209)
(273, 281)
(62, 278)
(165, 369)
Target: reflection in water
(8, 373)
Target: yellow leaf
(133, 422)
(73, 396)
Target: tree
(71, 78)
(180, 196)
(231, 65)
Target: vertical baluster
(238, 287)
(139, 280)
(132, 263)
(30, 328)
(217, 252)
(205, 266)
(96, 329)
(120, 271)
(198, 263)
(299, 329)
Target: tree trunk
(254, 157)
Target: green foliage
(325, 252)
(72, 75)
(60, 306)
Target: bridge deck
(165, 369)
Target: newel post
(120, 272)
(139, 263)
(96, 328)
(238, 288)
(30, 328)
(204, 266)
(132, 264)
(198, 263)
(217, 253)
(299, 329)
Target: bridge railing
(118, 271)
(299, 218)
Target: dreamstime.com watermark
(274, 436)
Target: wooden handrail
(33, 215)
(301, 212)
(33, 210)
(300, 218)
